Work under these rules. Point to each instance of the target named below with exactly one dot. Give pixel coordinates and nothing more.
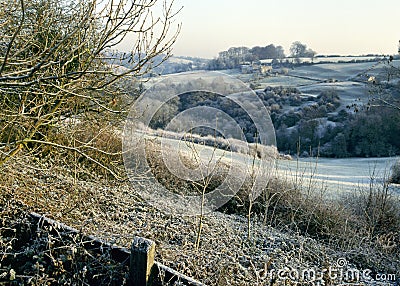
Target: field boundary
(143, 270)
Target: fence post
(141, 261)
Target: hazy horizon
(340, 27)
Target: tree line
(234, 57)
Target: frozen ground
(333, 177)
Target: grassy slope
(115, 213)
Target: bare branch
(17, 31)
(70, 149)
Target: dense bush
(395, 176)
(369, 133)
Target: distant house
(266, 66)
(265, 69)
(260, 67)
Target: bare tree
(299, 50)
(57, 64)
(209, 168)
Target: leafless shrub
(100, 149)
(57, 66)
(377, 206)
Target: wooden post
(141, 261)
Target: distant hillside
(174, 64)
(316, 109)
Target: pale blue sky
(328, 27)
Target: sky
(345, 27)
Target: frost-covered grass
(338, 71)
(288, 229)
(348, 91)
(339, 176)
